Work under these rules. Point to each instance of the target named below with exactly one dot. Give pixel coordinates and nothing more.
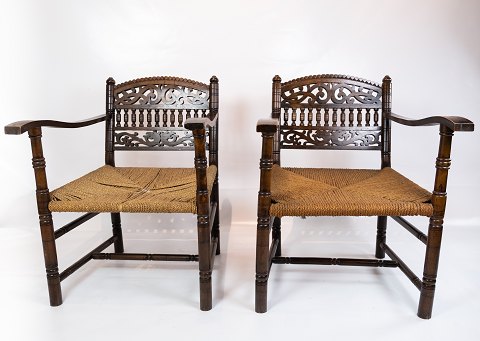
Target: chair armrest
(17, 128)
(454, 123)
(268, 125)
(193, 123)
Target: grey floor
(145, 300)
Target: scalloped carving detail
(154, 139)
(332, 138)
(160, 80)
(316, 91)
(328, 75)
(159, 94)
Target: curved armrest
(193, 123)
(17, 128)
(455, 123)
(267, 125)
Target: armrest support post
(201, 171)
(442, 166)
(203, 219)
(45, 217)
(435, 228)
(262, 265)
(266, 164)
(264, 193)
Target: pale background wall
(56, 56)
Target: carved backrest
(149, 113)
(328, 112)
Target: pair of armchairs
(315, 112)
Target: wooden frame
(376, 96)
(169, 95)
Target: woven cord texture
(131, 189)
(346, 192)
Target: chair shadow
(332, 237)
(150, 233)
(219, 269)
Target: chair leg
(51, 261)
(117, 232)
(204, 262)
(277, 235)
(262, 265)
(381, 236)
(45, 218)
(430, 269)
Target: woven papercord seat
(338, 112)
(149, 116)
(131, 189)
(343, 192)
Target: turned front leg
(264, 219)
(203, 221)
(381, 236)
(439, 200)
(45, 218)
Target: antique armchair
(339, 112)
(147, 114)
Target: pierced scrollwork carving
(162, 95)
(154, 139)
(331, 138)
(322, 93)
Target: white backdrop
(56, 56)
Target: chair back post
(109, 150)
(213, 131)
(276, 111)
(386, 129)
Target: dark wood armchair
(148, 114)
(342, 112)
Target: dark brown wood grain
(264, 223)
(435, 228)
(454, 123)
(20, 127)
(45, 217)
